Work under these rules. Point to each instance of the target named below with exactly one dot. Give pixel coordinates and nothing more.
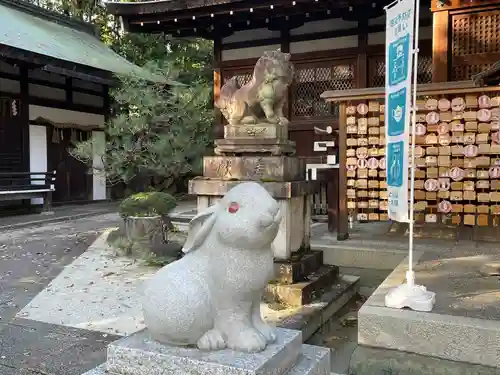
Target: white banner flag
(398, 98)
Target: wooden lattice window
(242, 77)
(376, 72)
(475, 43)
(312, 80)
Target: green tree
(158, 134)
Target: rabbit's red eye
(233, 207)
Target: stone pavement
(29, 259)
(61, 213)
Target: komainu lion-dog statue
(262, 99)
(211, 297)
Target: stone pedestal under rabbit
(202, 312)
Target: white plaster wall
(98, 178)
(66, 116)
(38, 154)
(245, 53)
(253, 34)
(70, 117)
(324, 44)
(9, 85)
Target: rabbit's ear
(199, 228)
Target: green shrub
(147, 204)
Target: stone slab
(99, 370)
(455, 338)
(304, 292)
(298, 267)
(374, 361)
(360, 255)
(315, 360)
(255, 168)
(256, 131)
(279, 190)
(139, 355)
(254, 146)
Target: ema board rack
(457, 159)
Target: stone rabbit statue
(211, 297)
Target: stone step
(298, 268)
(314, 360)
(310, 318)
(303, 293)
(139, 355)
(370, 361)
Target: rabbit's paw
(211, 340)
(246, 339)
(266, 330)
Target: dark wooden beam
(56, 104)
(442, 5)
(315, 36)
(69, 90)
(362, 61)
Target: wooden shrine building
(338, 49)
(54, 80)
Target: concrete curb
(52, 220)
(449, 337)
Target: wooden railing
(460, 150)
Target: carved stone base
(256, 168)
(298, 268)
(257, 131)
(270, 146)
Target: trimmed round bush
(147, 204)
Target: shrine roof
(207, 18)
(33, 34)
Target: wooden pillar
(218, 125)
(440, 47)
(362, 64)
(25, 117)
(343, 217)
(285, 48)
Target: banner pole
(410, 275)
(416, 297)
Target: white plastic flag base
(416, 297)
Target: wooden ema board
(457, 159)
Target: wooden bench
(28, 185)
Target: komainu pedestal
(256, 148)
(140, 355)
